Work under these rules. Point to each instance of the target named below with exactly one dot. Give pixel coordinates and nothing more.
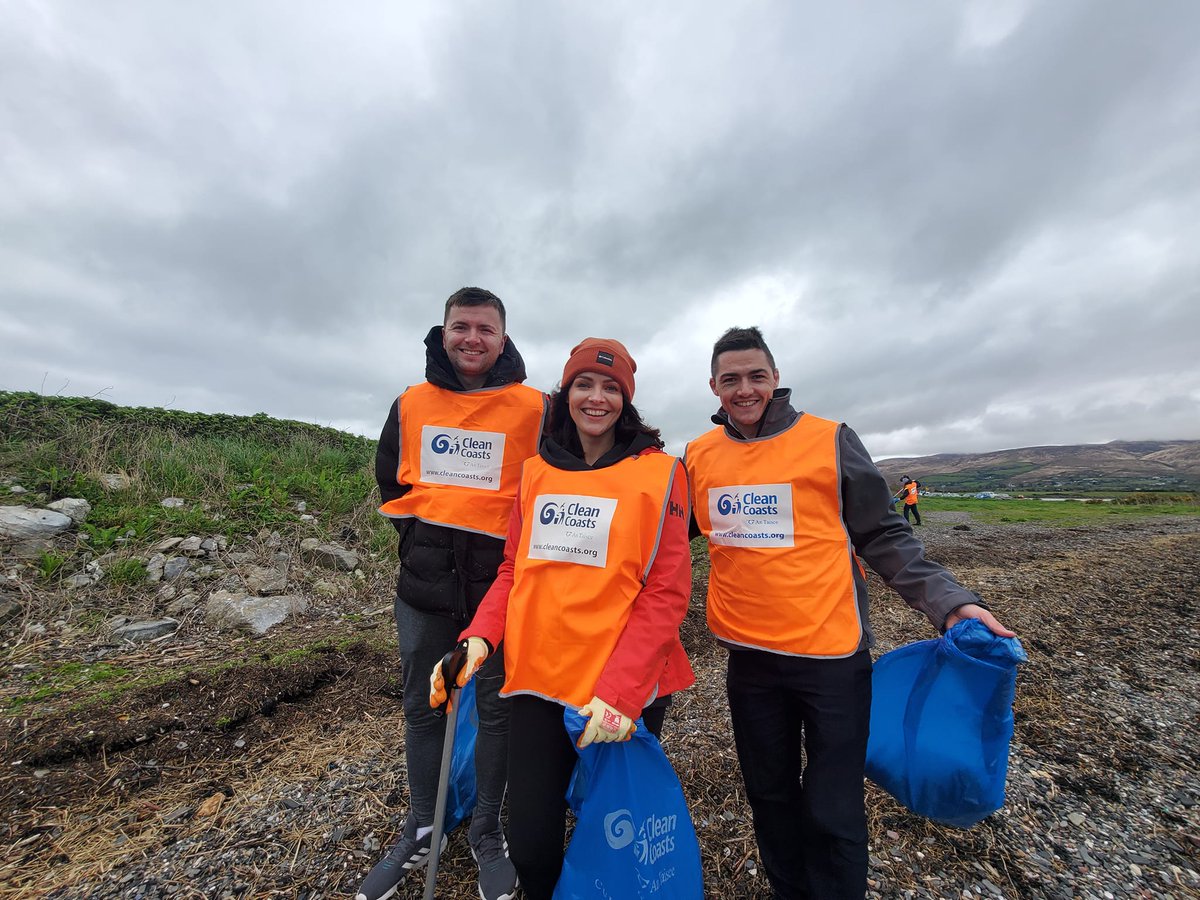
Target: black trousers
(809, 815)
(916, 512)
(540, 761)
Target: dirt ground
(247, 771)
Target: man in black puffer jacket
(448, 466)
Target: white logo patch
(751, 515)
(465, 458)
(572, 528)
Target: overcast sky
(961, 226)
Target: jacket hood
(509, 367)
(562, 458)
(778, 415)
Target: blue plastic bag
(633, 834)
(941, 723)
(460, 796)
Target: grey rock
(74, 508)
(329, 556)
(230, 583)
(21, 522)
(17, 489)
(182, 606)
(145, 630)
(226, 611)
(81, 580)
(172, 502)
(209, 545)
(263, 580)
(116, 481)
(31, 548)
(9, 609)
(154, 567)
(191, 546)
(168, 544)
(175, 566)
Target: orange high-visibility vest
(588, 541)
(781, 577)
(462, 453)
(910, 494)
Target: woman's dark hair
(566, 435)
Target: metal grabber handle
(452, 664)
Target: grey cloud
(254, 210)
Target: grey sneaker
(497, 877)
(409, 853)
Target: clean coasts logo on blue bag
(461, 457)
(751, 515)
(618, 829)
(633, 837)
(655, 836)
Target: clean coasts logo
(460, 457)
(751, 515)
(572, 528)
(652, 840)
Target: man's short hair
(474, 296)
(741, 339)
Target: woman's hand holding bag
(605, 724)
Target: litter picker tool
(452, 664)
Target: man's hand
(477, 654)
(605, 724)
(975, 611)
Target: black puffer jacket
(445, 571)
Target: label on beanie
(751, 515)
(461, 457)
(572, 528)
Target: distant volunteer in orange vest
(448, 465)
(910, 491)
(789, 502)
(594, 585)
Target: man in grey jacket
(789, 503)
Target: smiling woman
(588, 602)
(595, 403)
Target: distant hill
(1115, 466)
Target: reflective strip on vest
(781, 576)
(462, 453)
(588, 541)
